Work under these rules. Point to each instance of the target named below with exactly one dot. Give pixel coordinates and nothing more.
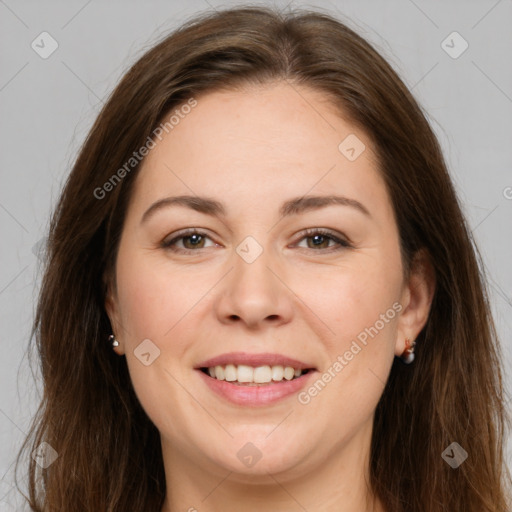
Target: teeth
(230, 372)
(289, 373)
(277, 373)
(262, 374)
(247, 374)
(219, 372)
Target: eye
(192, 240)
(320, 237)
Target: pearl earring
(113, 340)
(408, 354)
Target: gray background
(48, 105)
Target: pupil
(193, 240)
(318, 240)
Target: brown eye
(320, 239)
(195, 241)
(191, 241)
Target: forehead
(255, 145)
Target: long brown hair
(109, 454)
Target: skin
(252, 150)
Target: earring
(113, 340)
(408, 354)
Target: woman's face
(250, 292)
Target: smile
(254, 379)
(247, 375)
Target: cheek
(351, 298)
(359, 308)
(153, 304)
(151, 298)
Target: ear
(416, 299)
(112, 309)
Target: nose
(255, 294)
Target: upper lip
(255, 360)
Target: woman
(261, 291)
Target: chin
(254, 453)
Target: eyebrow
(294, 206)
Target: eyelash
(308, 233)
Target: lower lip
(256, 395)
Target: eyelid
(342, 241)
(168, 240)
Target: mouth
(254, 379)
(245, 375)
